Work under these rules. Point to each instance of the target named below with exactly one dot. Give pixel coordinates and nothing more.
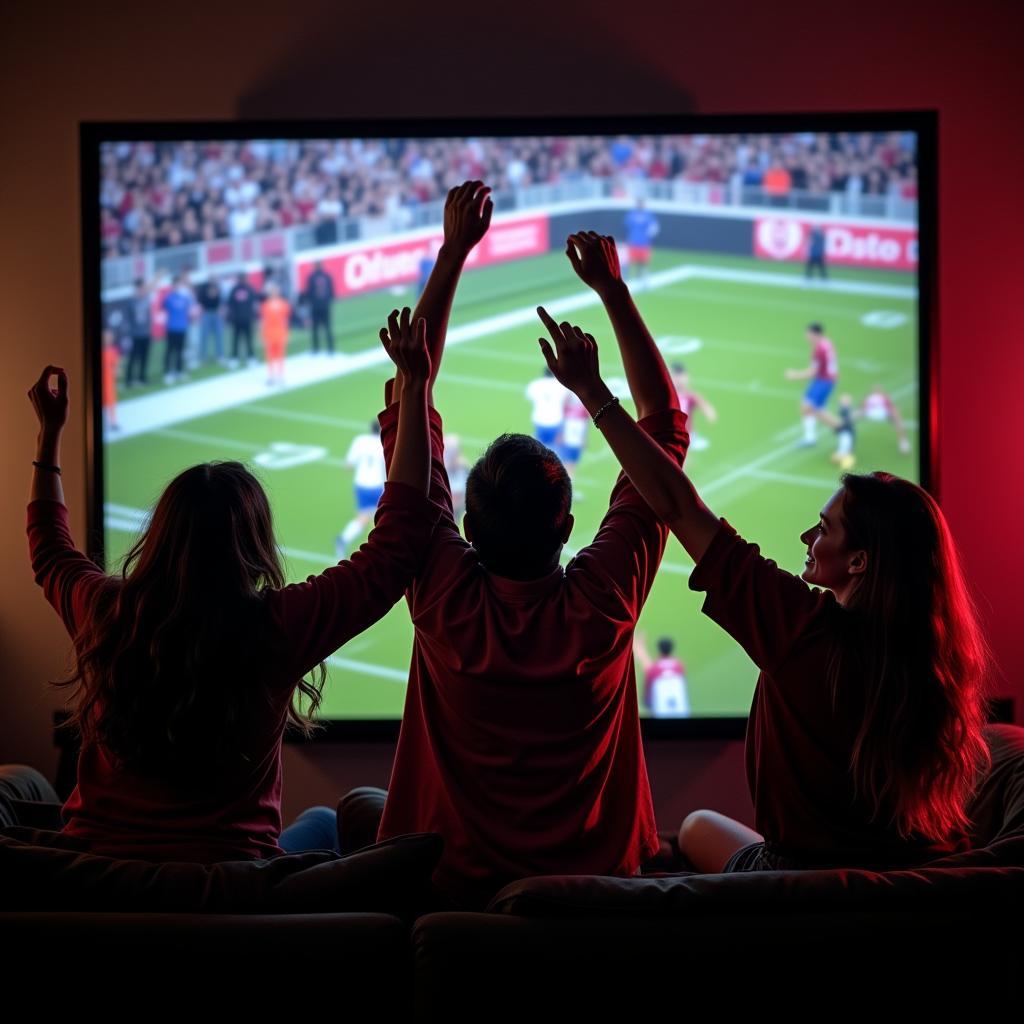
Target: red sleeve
(764, 608)
(69, 579)
(440, 488)
(319, 616)
(446, 555)
(619, 567)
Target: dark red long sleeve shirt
(123, 813)
(520, 742)
(798, 747)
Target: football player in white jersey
(548, 399)
(366, 457)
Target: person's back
(187, 664)
(520, 741)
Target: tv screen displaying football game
(778, 272)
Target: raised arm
(467, 216)
(51, 408)
(406, 344)
(661, 483)
(68, 578)
(326, 611)
(596, 261)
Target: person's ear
(570, 520)
(467, 526)
(858, 563)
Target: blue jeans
(316, 828)
(211, 325)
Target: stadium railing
(227, 255)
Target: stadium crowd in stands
(155, 195)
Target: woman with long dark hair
(865, 738)
(192, 660)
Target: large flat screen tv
(738, 234)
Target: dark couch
(940, 939)
(814, 943)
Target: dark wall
(107, 61)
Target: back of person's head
(666, 646)
(920, 659)
(815, 328)
(170, 664)
(518, 500)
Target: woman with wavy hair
(192, 660)
(865, 738)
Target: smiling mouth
(808, 560)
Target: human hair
(518, 497)
(915, 658)
(816, 328)
(666, 645)
(170, 664)
(678, 368)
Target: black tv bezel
(923, 122)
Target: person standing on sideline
(140, 330)
(320, 295)
(241, 315)
(274, 315)
(178, 304)
(111, 359)
(211, 321)
(816, 253)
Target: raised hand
(406, 344)
(574, 360)
(467, 215)
(595, 259)
(51, 406)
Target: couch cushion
(50, 871)
(997, 808)
(758, 891)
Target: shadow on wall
(480, 64)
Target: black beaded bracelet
(47, 466)
(604, 408)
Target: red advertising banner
(384, 264)
(856, 245)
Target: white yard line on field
(818, 483)
(367, 668)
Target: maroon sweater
(236, 815)
(520, 742)
(798, 747)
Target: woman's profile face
(829, 561)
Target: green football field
(737, 323)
